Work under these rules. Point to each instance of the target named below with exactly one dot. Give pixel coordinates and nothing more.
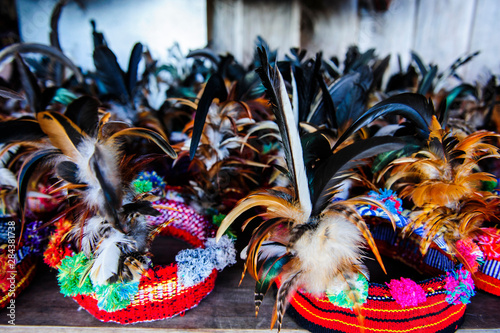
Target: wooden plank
(278, 22)
(62, 329)
(226, 29)
(329, 26)
(390, 32)
(228, 307)
(236, 25)
(42, 308)
(442, 30)
(484, 38)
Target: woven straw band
(25, 272)
(160, 294)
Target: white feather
(296, 151)
(7, 178)
(107, 258)
(388, 130)
(271, 249)
(92, 232)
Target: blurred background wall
(440, 31)
(155, 23)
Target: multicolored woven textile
(382, 312)
(24, 274)
(161, 295)
(488, 276)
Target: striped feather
(62, 132)
(146, 134)
(282, 109)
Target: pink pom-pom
(406, 292)
(470, 252)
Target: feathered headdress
(304, 238)
(444, 182)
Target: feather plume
(110, 73)
(62, 132)
(413, 107)
(11, 94)
(23, 129)
(19, 48)
(215, 88)
(282, 109)
(107, 256)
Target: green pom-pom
(489, 186)
(341, 297)
(217, 220)
(71, 272)
(116, 296)
(147, 181)
(142, 185)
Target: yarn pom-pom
(195, 265)
(71, 270)
(342, 297)
(406, 292)
(471, 253)
(116, 296)
(459, 286)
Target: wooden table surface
(42, 308)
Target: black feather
(348, 94)
(54, 23)
(316, 147)
(112, 195)
(378, 72)
(425, 85)
(329, 106)
(205, 53)
(420, 64)
(414, 107)
(68, 171)
(84, 112)
(142, 207)
(73, 134)
(456, 92)
(97, 36)
(362, 60)
(331, 172)
(49, 51)
(54, 38)
(110, 74)
(215, 88)
(269, 79)
(24, 129)
(133, 66)
(350, 99)
(306, 77)
(47, 97)
(30, 85)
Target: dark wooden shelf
(42, 308)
